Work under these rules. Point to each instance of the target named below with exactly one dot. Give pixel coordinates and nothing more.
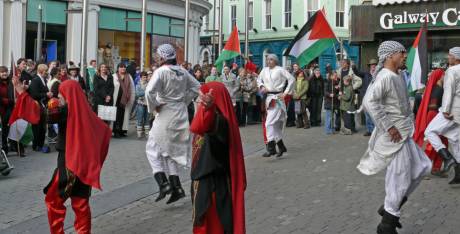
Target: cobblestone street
(315, 188)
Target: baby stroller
(5, 166)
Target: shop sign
(448, 17)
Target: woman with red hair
(218, 173)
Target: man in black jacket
(367, 78)
(38, 90)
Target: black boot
(381, 210)
(281, 148)
(163, 184)
(388, 224)
(271, 149)
(456, 179)
(177, 191)
(449, 160)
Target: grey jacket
(451, 96)
(356, 81)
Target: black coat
(38, 91)
(327, 98)
(367, 78)
(103, 89)
(316, 87)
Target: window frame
(283, 15)
(231, 17)
(264, 17)
(307, 17)
(344, 12)
(251, 16)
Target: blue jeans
(329, 128)
(142, 115)
(369, 124)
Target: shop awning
(385, 2)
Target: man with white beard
(446, 123)
(169, 92)
(275, 82)
(391, 145)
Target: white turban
(455, 52)
(166, 52)
(274, 57)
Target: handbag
(107, 113)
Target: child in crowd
(142, 114)
(331, 103)
(301, 100)
(346, 105)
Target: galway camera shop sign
(447, 18)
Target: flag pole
(143, 33)
(39, 34)
(214, 33)
(187, 20)
(221, 17)
(246, 31)
(84, 37)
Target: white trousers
(404, 174)
(441, 126)
(274, 123)
(160, 163)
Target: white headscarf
(455, 51)
(386, 49)
(166, 52)
(274, 57)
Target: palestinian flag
(25, 113)
(231, 49)
(417, 61)
(21, 131)
(314, 37)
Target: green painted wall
(299, 18)
(53, 11)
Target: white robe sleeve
(449, 90)
(291, 81)
(153, 87)
(373, 103)
(193, 88)
(260, 80)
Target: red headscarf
(200, 125)
(422, 121)
(87, 137)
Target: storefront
(54, 20)
(401, 22)
(120, 30)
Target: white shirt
(274, 80)
(451, 96)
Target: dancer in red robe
(82, 152)
(218, 172)
(431, 102)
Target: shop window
(112, 19)
(287, 14)
(286, 60)
(54, 12)
(161, 25)
(136, 25)
(268, 14)
(177, 28)
(340, 13)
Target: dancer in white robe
(275, 82)
(447, 121)
(168, 93)
(391, 145)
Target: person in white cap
(446, 123)
(391, 145)
(168, 93)
(275, 82)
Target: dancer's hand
(207, 100)
(158, 108)
(395, 135)
(18, 85)
(448, 116)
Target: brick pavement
(314, 189)
(126, 169)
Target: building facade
(274, 23)
(113, 29)
(401, 21)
